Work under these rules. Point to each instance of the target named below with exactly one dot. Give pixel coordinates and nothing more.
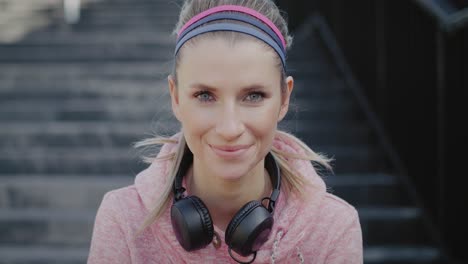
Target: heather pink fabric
(321, 228)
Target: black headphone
(246, 232)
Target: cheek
(195, 120)
(262, 121)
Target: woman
(229, 187)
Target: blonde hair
(292, 180)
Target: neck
(224, 198)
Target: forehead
(217, 61)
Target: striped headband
(272, 36)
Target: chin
(231, 172)
(233, 169)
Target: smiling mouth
(230, 152)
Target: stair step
(165, 24)
(70, 161)
(81, 73)
(127, 26)
(125, 160)
(91, 89)
(72, 134)
(305, 85)
(393, 225)
(22, 254)
(88, 110)
(46, 226)
(322, 87)
(316, 68)
(57, 255)
(308, 54)
(88, 52)
(157, 17)
(110, 29)
(37, 191)
(323, 131)
(132, 10)
(400, 254)
(373, 189)
(142, 6)
(159, 36)
(350, 159)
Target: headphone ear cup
(249, 228)
(192, 223)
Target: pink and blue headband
(271, 34)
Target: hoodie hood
(291, 222)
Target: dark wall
(408, 105)
(455, 196)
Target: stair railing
(410, 60)
(71, 11)
(447, 22)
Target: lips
(230, 152)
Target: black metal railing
(450, 15)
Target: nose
(229, 124)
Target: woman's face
(228, 99)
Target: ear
(285, 98)
(174, 96)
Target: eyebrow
(201, 86)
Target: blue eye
(204, 96)
(255, 97)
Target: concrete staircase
(394, 230)
(74, 98)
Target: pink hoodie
(321, 228)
